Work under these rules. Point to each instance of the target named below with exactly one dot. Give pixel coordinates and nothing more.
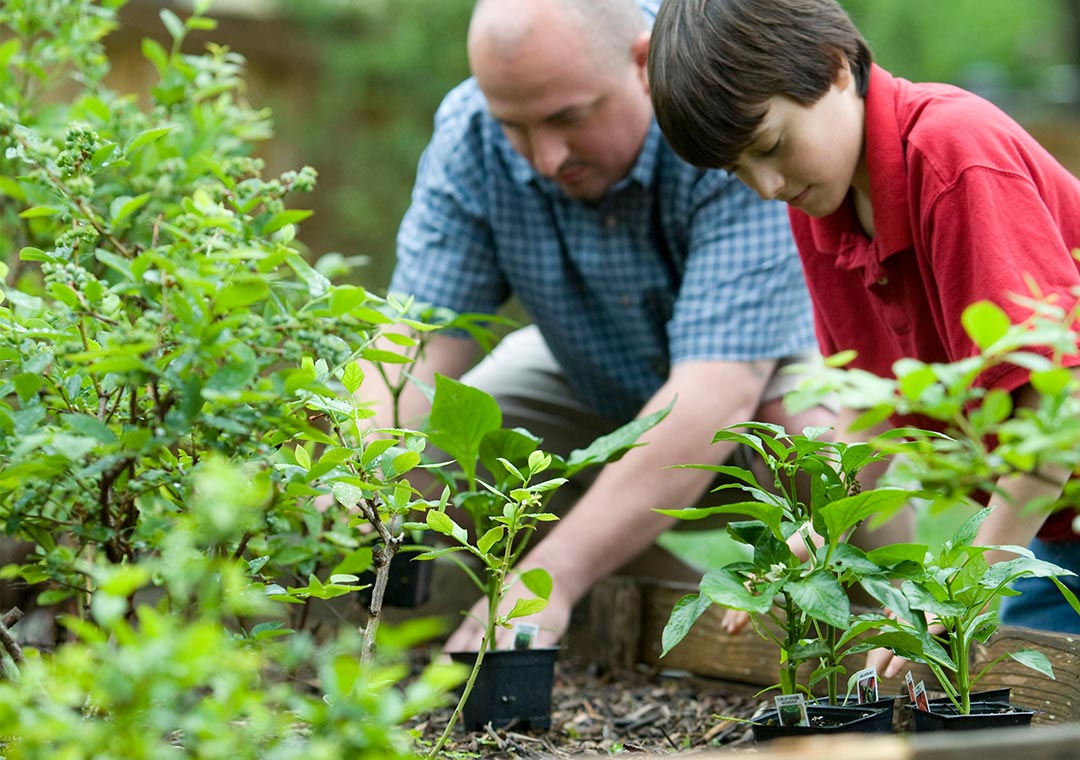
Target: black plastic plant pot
(825, 719)
(945, 717)
(885, 707)
(991, 695)
(409, 584)
(513, 687)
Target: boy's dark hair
(714, 64)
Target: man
(646, 280)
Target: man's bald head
(607, 28)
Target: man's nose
(548, 152)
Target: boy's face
(808, 156)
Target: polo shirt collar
(887, 167)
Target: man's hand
(553, 621)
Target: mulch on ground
(603, 714)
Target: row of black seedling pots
(513, 687)
(989, 709)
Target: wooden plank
(1057, 700)
(1060, 742)
(745, 658)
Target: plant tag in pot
(525, 634)
(791, 710)
(921, 700)
(866, 686)
(910, 681)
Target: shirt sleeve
(990, 236)
(445, 250)
(743, 296)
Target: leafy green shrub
(177, 385)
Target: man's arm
(613, 521)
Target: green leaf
(769, 514)
(844, 514)
(92, 427)
(489, 539)
(515, 445)
(124, 206)
(355, 562)
(460, 418)
(405, 461)
(27, 385)
(967, 531)
(375, 449)
(985, 323)
(921, 599)
(683, 616)
(347, 494)
(440, 522)
(155, 53)
(345, 298)
(316, 283)
(39, 211)
(240, 294)
(1035, 660)
(280, 219)
(525, 607)
(1052, 382)
(894, 554)
(352, 377)
(611, 447)
(302, 457)
(36, 254)
(726, 588)
(537, 581)
(173, 23)
(821, 597)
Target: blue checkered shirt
(675, 263)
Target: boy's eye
(771, 149)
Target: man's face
(807, 156)
(580, 122)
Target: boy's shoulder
(953, 129)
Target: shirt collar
(887, 166)
(641, 173)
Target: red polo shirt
(967, 207)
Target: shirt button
(883, 281)
(611, 221)
(626, 299)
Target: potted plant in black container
(954, 588)
(504, 686)
(805, 599)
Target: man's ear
(639, 52)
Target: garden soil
(658, 712)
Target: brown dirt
(604, 714)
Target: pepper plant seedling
(794, 581)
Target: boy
(908, 202)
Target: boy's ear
(844, 77)
(639, 52)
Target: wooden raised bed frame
(627, 617)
